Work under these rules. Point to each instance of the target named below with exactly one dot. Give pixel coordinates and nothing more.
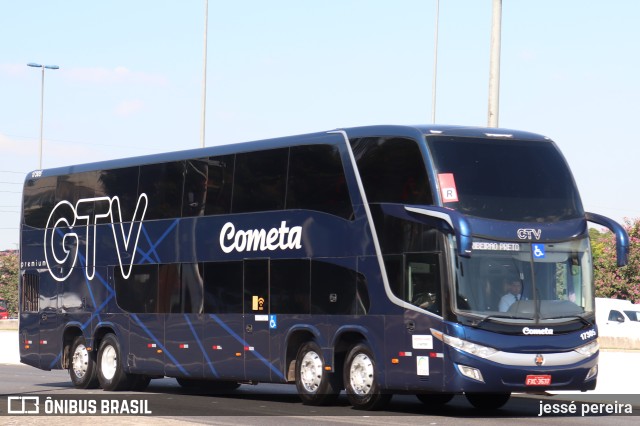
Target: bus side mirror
(622, 238)
(457, 222)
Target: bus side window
(260, 181)
(335, 290)
(39, 200)
(138, 293)
(392, 170)
(317, 181)
(163, 184)
(290, 291)
(223, 287)
(122, 183)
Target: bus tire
(488, 401)
(434, 399)
(315, 385)
(111, 374)
(360, 380)
(82, 369)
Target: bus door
(49, 339)
(257, 364)
(223, 327)
(423, 284)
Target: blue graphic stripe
(152, 249)
(83, 263)
(202, 349)
(145, 255)
(244, 343)
(160, 345)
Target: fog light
(470, 372)
(592, 373)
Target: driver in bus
(514, 293)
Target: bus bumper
(468, 373)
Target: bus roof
(310, 138)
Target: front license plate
(541, 380)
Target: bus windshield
(525, 281)
(514, 180)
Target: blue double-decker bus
(428, 260)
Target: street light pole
(204, 74)
(435, 66)
(51, 67)
(494, 66)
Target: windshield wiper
(490, 317)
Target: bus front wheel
(361, 383)
(111, 374)
(315, 385)
(82, 369)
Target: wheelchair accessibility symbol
(538, 251)
(273, 323)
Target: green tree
(610, 280)
(9, 269)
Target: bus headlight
(464, 345)
(589, 349)
(470, 372)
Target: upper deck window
(392, 170)
(507, 180)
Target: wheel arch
(71, 331)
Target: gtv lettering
(529, 234)
(282, 238)
(61, 242)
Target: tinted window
(138, 293)
(208, 186)
(39, 200)
(337, 290)
(317, 181)
(415, 278)
(180, 288)
(223, 287)
(163, 185)
(392, 170)
(256, 286)
(260, 180)
(399, 236)
(507, 180)
(169, 291)
(122, 183)
(290, 286)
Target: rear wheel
(315, 385)
(82, 369)
(111, 374)
(488, 401)
(360, 371)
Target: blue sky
(130, 79)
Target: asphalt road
(279, 405)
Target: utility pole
(494, 68)
(204, 73)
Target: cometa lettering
(537, 331)
(283, 238)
